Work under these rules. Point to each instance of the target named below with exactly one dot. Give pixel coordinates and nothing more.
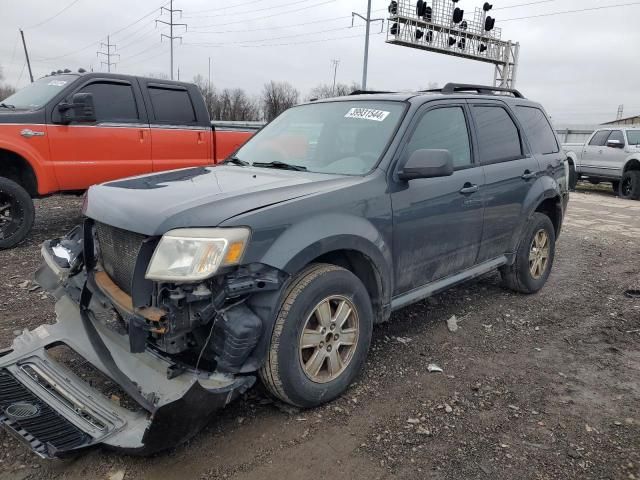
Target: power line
(282, 44)
(275, 27)
(244, 20)
(252, 11)
(90, 45)
(571, 11)
(54, 16)
(524, 4)
(273, 38)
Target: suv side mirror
(427, 164)
(80, 109)
(615, 144)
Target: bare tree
(277, 97)
(229, 104)
(5, 90)
(327, 91)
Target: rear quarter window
(537, 129)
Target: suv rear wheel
(630, 185)
(321, 337)
(534, 258)
(16, 213)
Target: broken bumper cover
(56, 412)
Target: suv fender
(305, 243)
(545, 188)
(631, 163)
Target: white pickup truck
(611, 154)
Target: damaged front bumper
(57, 412)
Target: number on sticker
(367, 114)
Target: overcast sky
(580, 66)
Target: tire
(615, 185)
(573, 177)
(630, 185)
(16, 213)
(284, 372)
(519, 275)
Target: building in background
(625, 121)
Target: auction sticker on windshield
(367, 114)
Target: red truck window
(172, 105)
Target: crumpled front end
(104, 372)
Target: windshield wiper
(235, 161)
(281, 165)
(4, 105)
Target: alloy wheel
(539, 254)
(329, 339)
(11, 215)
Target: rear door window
(616, 135)
(537, 130)
(599, 139)
(172, 105)
(498, 136)
(113, 102)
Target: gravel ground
(534, 387)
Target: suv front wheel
(534, 258)
(321, 337)
(629, 186)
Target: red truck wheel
(16, 213)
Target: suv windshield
(633, 136)
(38, 93)
(335, 137)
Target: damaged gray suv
(182, 288)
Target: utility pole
(26, 54)
(209, 82)
(368, 21)
(171, 24)
(620, 112)
(334, 64)
(107, 54)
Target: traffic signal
(429, 36)
(428, 13)
(487, 6)
(489, 23)
(419, 34)
(463, 25)
(457, 15)
(421, 7)
(452, 41)
(394, 29)
(462, 44)
(482, 48)
(393, 7)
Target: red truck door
(117, 145)
(181, 136)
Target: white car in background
(611, 154)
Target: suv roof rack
(369, 92)
(450, 88)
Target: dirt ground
(534, 387)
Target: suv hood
(199, 197)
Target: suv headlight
(193, 254)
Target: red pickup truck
(66, 132)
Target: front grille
(43, 428)
(118, 253)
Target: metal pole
(366, 47)
(171, 33)
(108, 54)
(209, 84)
(335, 72)
(26, 54)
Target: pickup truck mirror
(615, 144)
(427, 164)
(80, 109)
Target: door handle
(200, 139)
(469, 188)
(528, 175)
(141, 136)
